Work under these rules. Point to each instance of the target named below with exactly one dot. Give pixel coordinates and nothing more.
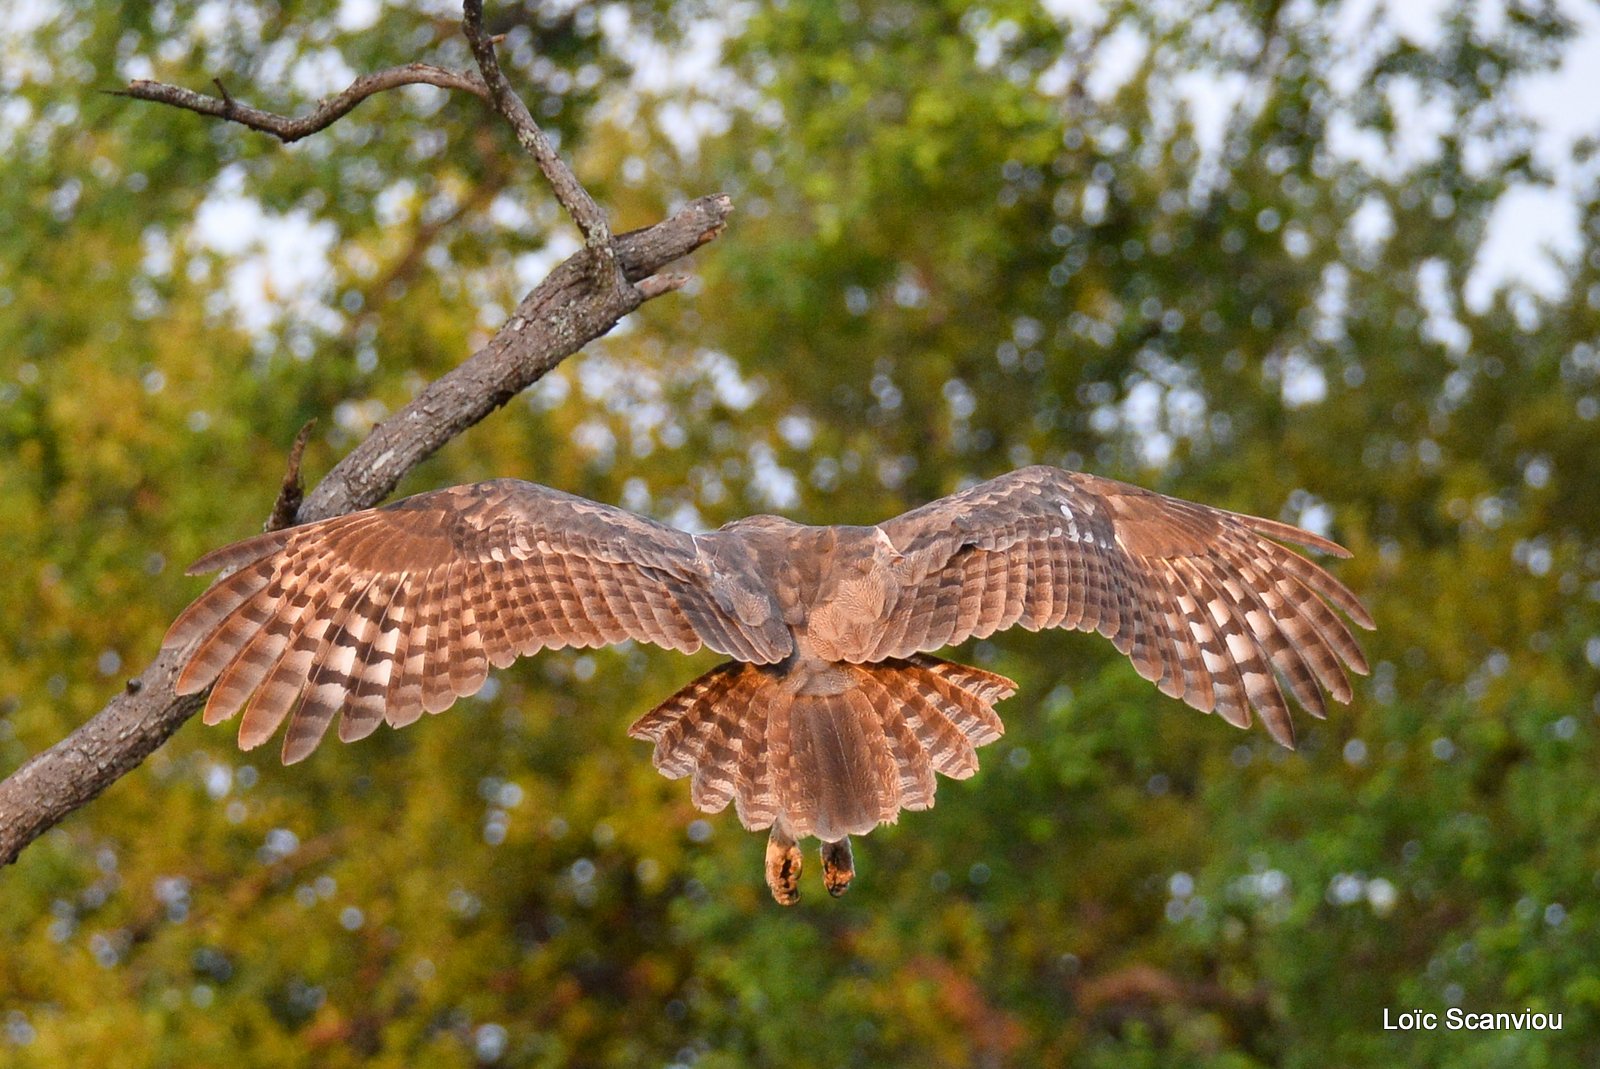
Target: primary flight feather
(832, 716)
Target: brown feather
(1246, 647)
(1199, 688)
(403, 705)
(329, 679)
(1208, 624)
(914, 784)
(376, 664)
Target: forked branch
(290, 129)
(581, 300)
(568, 190)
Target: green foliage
(958, 249)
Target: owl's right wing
(1204, 602)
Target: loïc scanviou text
(1456, 1019)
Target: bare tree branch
(659, 284)
(581, 300)
(563, 313)
(326, 113)
(573, 197)
(286, 510)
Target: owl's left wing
(379, 615)
(1202, 600)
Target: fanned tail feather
(831, 752)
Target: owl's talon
(784, 862)
(838, 867)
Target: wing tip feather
(187, 685)
(240, 553)
(1288, 532)
(249, 740)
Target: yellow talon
(838, 867)
(784, 862)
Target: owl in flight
(832, 715)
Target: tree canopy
(1233, 251)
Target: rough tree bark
(581, 300)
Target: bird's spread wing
(393, 611)
(1202, 600)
